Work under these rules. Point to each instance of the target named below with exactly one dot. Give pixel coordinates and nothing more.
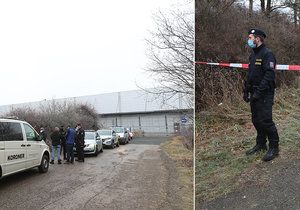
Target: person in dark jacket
(63, 142)
(70, 140)
(55, 138)
(80, 143)
(259, 90)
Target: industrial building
(141, 111)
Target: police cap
(257, 32)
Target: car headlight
(90, 145)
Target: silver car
(122, 133)
(92, 143)
(109, 138)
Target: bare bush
(52, 114)
(221, 36)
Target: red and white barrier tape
(246, 66)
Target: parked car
(21, 148)
(92, 143)
(130, 134)
(109, 138)
(122, 133)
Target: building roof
(117, 102)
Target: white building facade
(143, 112)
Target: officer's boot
(257, 148)
(271, 154)
(273, 149)
(260, 143)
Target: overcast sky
(67, 48)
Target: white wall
(151, 123)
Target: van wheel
(43, 168)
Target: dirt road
(276, 187)
(134, 176)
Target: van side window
(30, 134)
(11, 131)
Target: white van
(21, 148)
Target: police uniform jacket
(80, 137)
(261, 76)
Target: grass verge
(183, 159)
(221, 141)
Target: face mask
(251, 43)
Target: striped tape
(246, 66)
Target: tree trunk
(251, 6)
(268, 9)
(295, 14)
(262, 5)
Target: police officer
(80, 143)
(259, 90)
(63, 142)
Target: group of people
(63, 142)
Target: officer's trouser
(80, 153)
(262, 120)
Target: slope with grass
(183, 158)
(222, 139)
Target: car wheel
(43, 167)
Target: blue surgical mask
(251, 43)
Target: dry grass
(223, 137)
(183, 158)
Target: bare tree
(294, 5)
(171, 52)
(221, 36)
(270, 6)
(53, 113)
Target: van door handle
(23, 145)
(28, 145)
